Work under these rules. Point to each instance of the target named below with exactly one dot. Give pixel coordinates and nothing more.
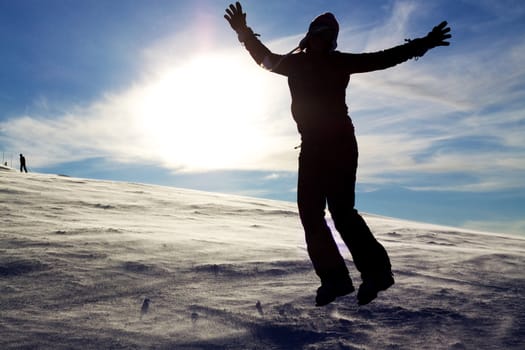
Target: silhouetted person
(317, 77)
(22, 163)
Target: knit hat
(325, 22)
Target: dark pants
(327, 175)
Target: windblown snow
(90, 264)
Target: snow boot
(329, 291)
(371, 286)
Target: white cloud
(272, 176)
(212, 110)
(394, 29)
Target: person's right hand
(236, 17)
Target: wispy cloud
(457, 110)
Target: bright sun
(205, 114)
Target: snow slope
(5, 168)
(79, 257)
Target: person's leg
(322, 248)
(370, 257)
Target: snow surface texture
(105, 265)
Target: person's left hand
(438, 35)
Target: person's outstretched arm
(367, 62)
(260, 53)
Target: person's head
(322, 34)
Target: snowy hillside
(5, 168)
(79, 257)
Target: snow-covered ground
(5, 168)
(79, 257)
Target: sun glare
(205, 114)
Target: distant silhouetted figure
(22, 163)
(318, 76)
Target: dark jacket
(318, 82)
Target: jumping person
(318, 76)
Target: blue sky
(161, 92)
